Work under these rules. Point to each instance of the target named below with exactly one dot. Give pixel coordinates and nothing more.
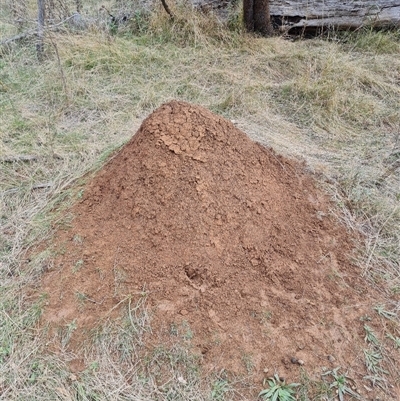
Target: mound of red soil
(223, 234)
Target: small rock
(184, 312)
(331, 358)
(297, 361)
(266, 370)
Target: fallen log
(296, 15)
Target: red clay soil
(223, 234)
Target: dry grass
(332, 102)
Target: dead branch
(167, 9)
(18, 158)
(34, 32)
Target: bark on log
(348, 14)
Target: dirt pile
(224, 235)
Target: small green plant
(182, 330)
(80, 193)
(173, 329)
(187, 331)
(92, 367)
(266, 317)
(278, 390)
(312, 389)
(380, 310)
(36, 371)
(396, 340)
(396, 289)
(370, 335)
(81, 297)
(35, 311)
(66, 332)
(5, 351)
(219, 388)
(78, 239)
(340, 384)
(373, 359)
(77, 266)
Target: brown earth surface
(223, 235)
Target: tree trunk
(347, 14)
(40, 29)
(256, 16)
(262, 20)
(248, 15)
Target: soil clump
(224, 236)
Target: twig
(118, 304)
(34, 32)
(167, 9)
(64, 81)
(43, 185)
(93, 301)
(18, 158)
